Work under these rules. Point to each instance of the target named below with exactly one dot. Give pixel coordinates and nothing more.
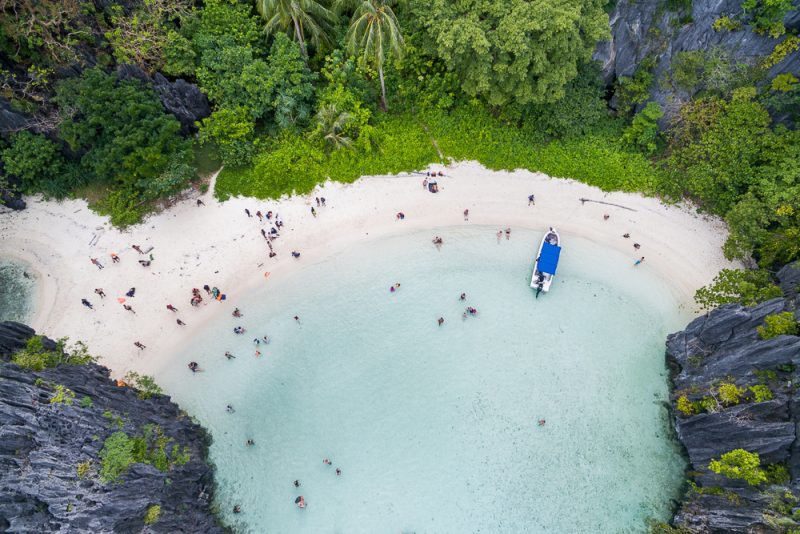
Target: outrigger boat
(544, 268)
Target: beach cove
(217, 244)
(588, 357)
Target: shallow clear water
(17, 287)
(435, 428)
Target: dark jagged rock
(642, 28)
(181, 98)
(42, 444)
(724, 346)
(789, 281)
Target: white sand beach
(217, 244)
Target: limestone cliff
(724, 347)
(49, 453)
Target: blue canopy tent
(548, 259)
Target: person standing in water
(440, 320)
(466, 215)
(637, 262)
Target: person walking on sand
(137, 248)
(130, 309)
(95, 262)
(466, 215)
(637, 262)
(100, 292)
(87, 304)
(180, 323)
(322, 200)
(260, 216)
(247, 211)
(531, 200)
(606, 216)
(229, 355)
(263, 233)
(139, 345)
(172, 308)
(313, 211)
(637, 246)
(114, 257)
(317, 200)
(200, 203)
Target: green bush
(740, 464)
(36, 357)
(761, 393)
(685, 406)
(730, 394)
(746, 287)
(62, 395)
(39, 164)
(144, 383)
(777, 474)
(152, 515)
(83, 468)
(151, 447)
(634, 90)
(778, 324)
(643, 131)
(86, 402)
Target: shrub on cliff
(747, 288)
(778, 324)
(151, 447)
(740, 464)
(36, 357)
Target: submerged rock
(49, 452)
(723, 347)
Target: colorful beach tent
(548, 259)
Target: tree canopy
(513, 50)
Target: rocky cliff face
(42, 445)
(724, 347)
(642, 28)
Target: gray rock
(724, 346)
(642, 28)
(181, 98)
(41, 445)
(789, 280)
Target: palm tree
(373, 32)
(302, 17)
(330, 125)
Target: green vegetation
(62, 395)
(740, 464)
(685, 406)
(145, 384)
(730, 394)
(300, 92)
(83, 468)
(507, 51)
(153, 514)
(767, 16)
(36, 357)
(761, 393)
(778, 324)
(86, 402)
(151, 447)
(745, 287)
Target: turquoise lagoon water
(17, 286)
(435, 428)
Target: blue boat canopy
(548, 259)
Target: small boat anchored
(544, 268)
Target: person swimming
(237, 509)
(194, 367)
(296, 483)
(236, 313)
(229, 409)
(229, 355)
(463, 296)
(250, 442)
(300, 501)
(238, 330)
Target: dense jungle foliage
(306, 90)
